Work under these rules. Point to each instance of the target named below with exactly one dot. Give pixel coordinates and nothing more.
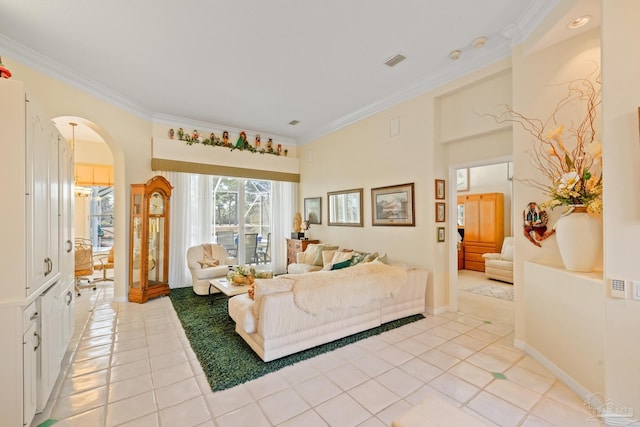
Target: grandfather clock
(149, 240)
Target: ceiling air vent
(395, 60)
(294, 122)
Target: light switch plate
(635, 288)
(618, 288)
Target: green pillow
(339, 265)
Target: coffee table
(226, 287)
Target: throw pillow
(327, 256)
(370, 257)
(323, 247)
(310, 253)
(383, 258)
(357, 258)
(342, 264)
(209, 262)
(338, 256)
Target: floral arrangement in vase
(567, 154)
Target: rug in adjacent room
(224, 356)
(500, 292)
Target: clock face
(156, 204)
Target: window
(242, 207)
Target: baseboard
(438, 310)
(554, 369)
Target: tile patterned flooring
(131, 365)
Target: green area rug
(225, 358)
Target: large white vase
(579, 237)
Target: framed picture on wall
(440, 212)
(462, 179)
(440, 194)
(440, 234)
(393, 205)
(313, 210)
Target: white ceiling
(257, 65)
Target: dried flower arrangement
(569, 156)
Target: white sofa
(499, 266)
(200, 275)
(291, 313)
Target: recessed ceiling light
(395, 60)
(579, 22)
(455, 55)
(294, 122)
(479, 42)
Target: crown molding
(530, 19)
(453, 71)
(41, 63)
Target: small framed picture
(440, 195)
(440, 234)
(313, 210)
(462, 179)
(440, 212)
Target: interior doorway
(471, 291)
(94, 201)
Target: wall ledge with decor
(175, 155)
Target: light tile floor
(131, 365)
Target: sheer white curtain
(191, 217)
(284, 200)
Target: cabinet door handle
(69, 246)
(34, 316)
(46, 267)
(69, 297)
(35, 334)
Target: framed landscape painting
(393, 205)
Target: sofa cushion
(299, 268)
(507, 253)
(212, 272)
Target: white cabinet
(42, 167)
(36, 254)
(30, 344)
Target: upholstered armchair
(208, 261)
(500, 266)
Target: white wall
(621, 154)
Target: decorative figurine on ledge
(279, 149)
(242, 142)
(270, 145)
(171, 133)
(225, 138)
(257, 140)
(4, 72)
(180, 134)
(535, 224)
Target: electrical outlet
(618, 288)
(635, 289)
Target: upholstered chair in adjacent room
(500, 266)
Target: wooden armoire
(483, 227)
